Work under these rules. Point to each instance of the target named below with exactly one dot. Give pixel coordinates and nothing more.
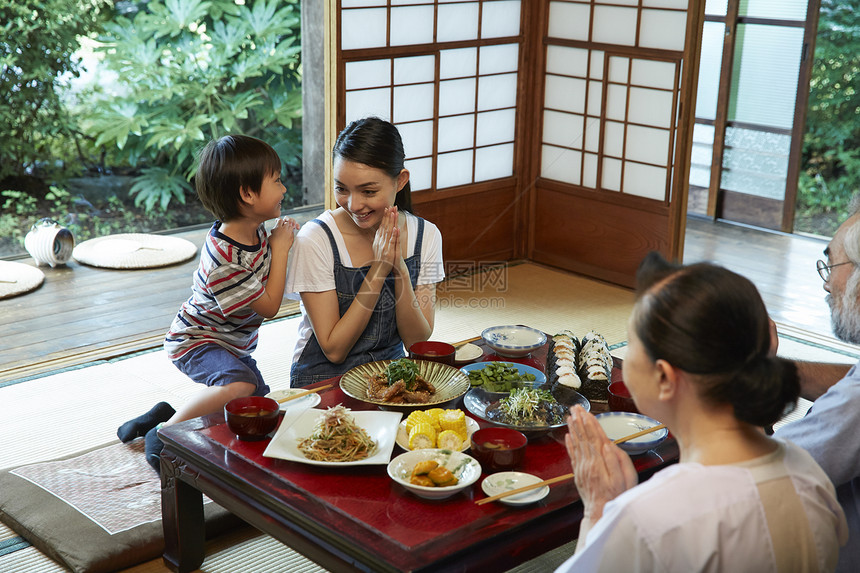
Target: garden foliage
(38, 41)
(831, 149)
(189, 71)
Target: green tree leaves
(193, 70)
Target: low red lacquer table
(357, 518)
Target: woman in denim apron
(376, 304)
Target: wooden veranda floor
(81, 314)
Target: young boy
(239, 281)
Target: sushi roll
(594, 366)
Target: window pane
(566, 94)
(417, 138)
(592, 134)
(414, 70)
(650, 73)
(458, 63)
(613, 143)
(709, 70)
(456, 96)
(701, 155)
(778, 9)
(413, 102)
(611, 174)
(362, 103)
(755, 162)
(615, 25)
(368, 74)
(647, 144)
(663, 29)
(454, 169)
(569, 21)
(456, 132)
(496, 92)
(496, 127)
(457, 22)
(561, 164)
(564, 129)
(716, 7)
(589, 171)
(499, 59)
(500, 19)
(595, 96)
(645, 180)
(765, 87)
(494, 162)
(411, 25)
(420, 171)
(650, 107)
(567, 61)
(363, 28)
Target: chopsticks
(457, 345)
(564, 477)
(305, 393)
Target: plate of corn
(436, 428)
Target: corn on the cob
(434, 414)
(416, 417)
(422, 436)
(449, 440)
(454, 420)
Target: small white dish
(468, 353)
(620, 424)
(464, 467)
(513, 341)
(380, 426)
(506, 481)
(403, 435)
(303, 403)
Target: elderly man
(831, 429)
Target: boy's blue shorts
(214, 365)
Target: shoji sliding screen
(447, 74)
(555, 130)
(615, 120)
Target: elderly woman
(699, 359)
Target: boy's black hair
(228, 164)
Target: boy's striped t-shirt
(229, 277)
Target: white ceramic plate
(380, 426)
(506, 481)
(403, 435)
(303, 403)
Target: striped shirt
(229, 278)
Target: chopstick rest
(564, 477)
(305, 393)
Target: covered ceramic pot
(49, 243)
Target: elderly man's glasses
(824, 269)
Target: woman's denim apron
(380, 339)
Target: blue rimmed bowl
(513, 341)
(620, 424)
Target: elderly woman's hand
(601, 469)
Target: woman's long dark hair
(376, 143)
(711, 322)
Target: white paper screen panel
(363, 28)
(455, 107)
(457, 22)
(609, 114)
(411, 25)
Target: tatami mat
(81, 408)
